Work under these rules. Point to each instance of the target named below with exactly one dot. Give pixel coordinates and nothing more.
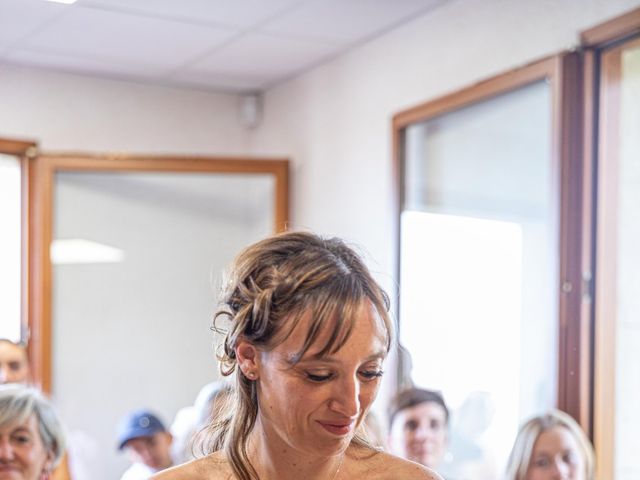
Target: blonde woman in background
(551, 447)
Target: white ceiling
(218, 45)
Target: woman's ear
(248, 359)
(47, 468)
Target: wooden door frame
(563, 73)
(615, 30)
(19, 148)
(603, 44)
(41, 197)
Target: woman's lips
(338, 428)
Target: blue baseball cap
(140, 423)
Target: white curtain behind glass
(10, 238)
(628, 307)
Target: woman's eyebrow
(21, 429)
(379, 355)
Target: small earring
(251, 375)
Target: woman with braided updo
(307, 330)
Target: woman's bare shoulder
(383, 466)
(400, 468)
(211, 467)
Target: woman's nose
(6, 450)
(422, 431)
(561, 470)
(347, 398)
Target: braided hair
(270, 286)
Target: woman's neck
(274, 459)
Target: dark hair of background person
(411, 397)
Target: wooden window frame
(563, 73)
(603, 44)
(41, 196)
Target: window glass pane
(627, 359)
(10, 248)
(137, 262)
(478, 309)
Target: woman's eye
(21, 439)
(541, 463)
(371, 374)
(14, 366)
(411, 426)
(318, 377)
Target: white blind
(10, 239)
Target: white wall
(78, 113)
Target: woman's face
(316, 404)
(23, 456)
(556, 456)
(14, 364)
(419, 433)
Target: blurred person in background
(14, 362)
(31, 438)
(14, 368)
(471, 449)
(551, 447)
(190, 422)
(418, 426)
(147, 443)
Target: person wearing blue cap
(148, 443)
